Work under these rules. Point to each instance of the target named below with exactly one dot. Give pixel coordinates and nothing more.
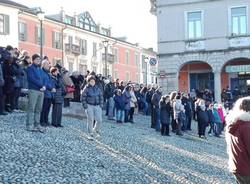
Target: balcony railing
(75, 49)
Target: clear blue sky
(130, 18)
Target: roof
(12, 3)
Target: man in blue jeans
(36, 86)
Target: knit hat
(34, 56)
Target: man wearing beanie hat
(36, 86)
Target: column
(217, 86)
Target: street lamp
(40, 15)
(146, 59)
(105, 44)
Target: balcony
(111, 58)
(239, 41)
(71, 48)
(195, 45)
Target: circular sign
(152, 61)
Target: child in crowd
(165, 112)
(218, 123)
(119, 106)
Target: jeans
(17, 95)
(94, 118)
(126, 115)
(131, 114)
(35, 104)
(120, 114)
(145, 108)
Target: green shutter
(6, 24)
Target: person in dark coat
(202, 118)
(156, 106)
(1, 92)
(109, 92)
(58, 98)
(9, 86)
(188, 112)
(149, 95)
(127, 97)
(211, 119)
(165, 111)
(143, 94)
(48, 93)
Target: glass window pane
(243, 25)
(198, 29)
(235, 25)
(191, 30)
(192, 16)
(239, 11)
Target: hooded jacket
(238, 142)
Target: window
(116, 55)
(194, 25)
(56, 40)
(22, 31)
(70, 40)
(83, 46)
(127, 57)
(71, 65)
(239, 21)
(38, 36)
(87, 22)
(4, 24)
(127, 76)
(94, 49)
(137, 62)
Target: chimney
(62, 14)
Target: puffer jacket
(238, 139)
(91, 95)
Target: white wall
(12, 37)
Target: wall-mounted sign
(152, 61)
(238, 68)
(239, 42)
(195, 45)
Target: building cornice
(185, 3)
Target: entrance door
(202, 81)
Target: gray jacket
(92, 95)
(1, 76)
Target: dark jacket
(58, 96)
(35, 77)
(238, 139)
(202, 116)
(127, 97)
(165, 111)
(119, 102)
(1, 76)
(9, 77)
(19, 73)
(156, 99)
(149, 95)
(187, 106)
(211, 118)
(91, 95)
(109, 90)
(49, 83)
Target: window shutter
(36, 35)
(25, 32)
(53, 39)
(6, 24)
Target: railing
(75, 49)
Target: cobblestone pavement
(128, 153)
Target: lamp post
(146, 62)
(105, 44)
(40, 16)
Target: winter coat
(119, 102)
(19, 73)
(133, 100)
(156, 99)
(49, 83)
(91, 95)
(109, 90)
(127, 97)
(35, 77)
(187, 106)
(177, 107)
(68, 83)
(149, 96)
(217, 116)
(238, 139)
(1, 77)
(165, 111)
(221, 114)
(9, 77)
(58, 96)
(202, 116)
